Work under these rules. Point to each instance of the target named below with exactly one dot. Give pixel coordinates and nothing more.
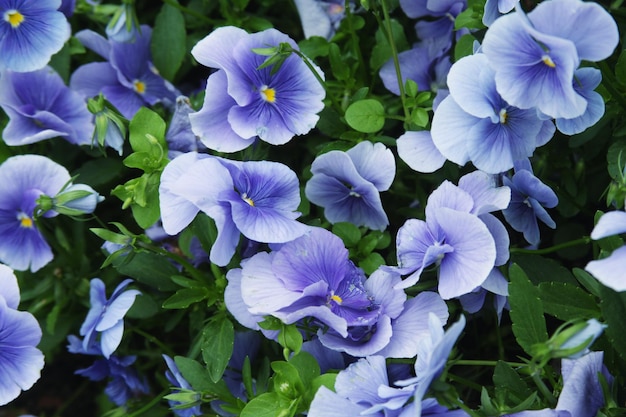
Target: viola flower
(106, 316)
(20, 360)
(319, 17)
(308, 277)
(529, 199)
(419, 152)
(551, 41)
(256, 198)
(347, 184)
(180, 138)
(25, 179)
(40, 106)
(465, 246)
(475, 124)
(31, 31)
(243, 102)
(128, 79)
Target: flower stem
(394, 54)
(582, 241)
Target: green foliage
(168, 44)
(529, 325)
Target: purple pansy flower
(256, 198)
(243, 102)
(20, 360)
(551, 41)
(31, 31)
(347, 184)
(180, 138)
(529, 198)
(24, 179)
(40, 106)
(585, 81)
(106, 316)
(308, 277)
(475, 124)
(459, 235)
(128, 80)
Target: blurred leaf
(168, 44)
(509, 383)
(150, 269)
(265, 405)
(371, 262)
(529, 325)
(541, 269)
(185, 297)
(613, 306)
(348, 232)
(464, 47)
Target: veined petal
(215, 50)
(588, 25)
(9, 289)
(419, 152)
(450, 128)
(486, 195)
(611, 223)
(211, 124)
(464, 83)
(375, 163)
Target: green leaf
(290, 338)
(348, 232)
(419, 117)
(613, 306)
(148, 213)
(470, 18)
(217, 346)
(150, 269)
(307, 367)
(265, 405)
(620, 67)
(567, 302)
(540, 269)
(367, 116)
(185, 297)
(529, 325)
(340, 70)
(371, 262)
(588, 281)
(168, 44)
(147, 122)
(198, 378)
(464, 46)
(509, 383)
(314, 47)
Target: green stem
(151, 404)
(543, 388)
(149, 337)
(582, 241)
(396, 61)
(464, 381)
(190, 12)
(355, 41)
(311, 67)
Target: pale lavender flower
(31, 31)
(128, 79)
(20, 360)
(474, 123)
(419, 152)
(255, 198)
(550, 41)
(347, 184)
(106, 316)
(25, 179)
(585, 81)
(496, 8)
(40, 106)
(243, 102)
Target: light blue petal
(419, 152)
(610, 271)
(611, 223)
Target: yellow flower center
(268, 94)
(139, 86)
(247, 199)
(336, 299)
(548, 61)
(503, 116)
(25, 221)
(14, 17)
